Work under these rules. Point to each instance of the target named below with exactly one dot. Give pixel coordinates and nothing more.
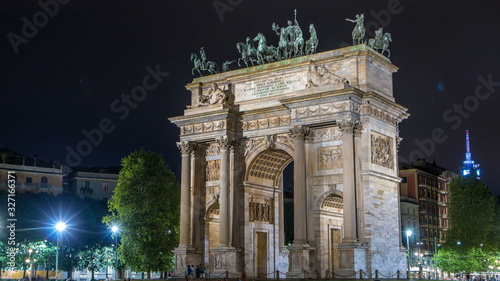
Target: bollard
(376, 273)
(398, 274)
(360, 274)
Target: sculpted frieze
(207, 127)
(322, 109)
(327, 134)
(267, 123)
(379, 114)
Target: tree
(470, 244)
(94, 258)
(145, 205)
(470, 260)
(471, 211)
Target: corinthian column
(185, 225)
(224, 227)
(349, 180)
(357, 131)
(298, 134)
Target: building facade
(333, 115)
(32, 174)
(424, 191)
(96, 183)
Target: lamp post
(408, 234)
(60, 226)
(115, 230)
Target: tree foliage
(94, 258)
(470, 260)
(471, 211)
(145, 206)
(471, 242)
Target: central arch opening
(269, 183)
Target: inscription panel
(270, 86)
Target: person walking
(198, 271)
(189, 273)
(203, 273)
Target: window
(44, 182)
(105, 186)
(403, 180)
(87, 184)
(29, 180)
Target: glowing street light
(60, 227)
(115, 230)
(408, 234)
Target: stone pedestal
(184, 257)
(352, 260)
(225, 259)
(283, 262)
(299, 261)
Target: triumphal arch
(333, 115)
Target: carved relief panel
(329, 158)
(382, 150)
(212, 170)
(261, 209)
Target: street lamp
(115, 230)
(408, 234)
(60, 227)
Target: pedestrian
(198, 271)
(189, 272)
(203, 274)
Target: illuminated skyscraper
(470, 169)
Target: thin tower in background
(469, 168)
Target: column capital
(300, 132)
(186, 147)
(348, 126)
(225, 142)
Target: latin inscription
(272, 86)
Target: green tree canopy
(145, 206)
(471, 211)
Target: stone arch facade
(343, 140)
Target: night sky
(67, 72)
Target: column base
(352, 259)
(185, 256)
(299, 261)
(225, 259)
